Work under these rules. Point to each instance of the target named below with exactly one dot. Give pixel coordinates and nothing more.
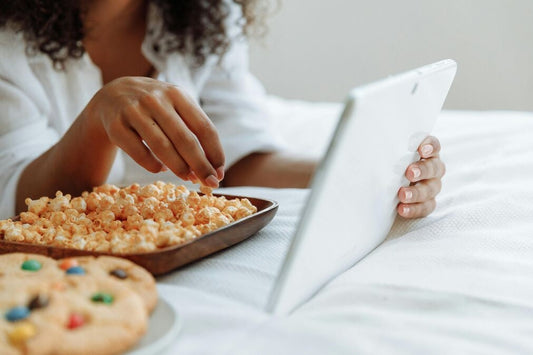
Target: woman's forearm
(271, 170)
(80, 160)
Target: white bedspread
(459, 281)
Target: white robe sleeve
(235, 101)
(24, 130)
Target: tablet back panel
(352, 203)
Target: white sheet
(459, 281)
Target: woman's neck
(111, 16)
(115, 30)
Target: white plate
(163, 327)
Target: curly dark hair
(56, 27)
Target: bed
(459, 281)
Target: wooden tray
(167, 259)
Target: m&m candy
(31, 265)
(76, 270)
(21, 332)
(39, 301)
(119, 274)
(68, 263)
(102, 297)
(17, 313)
(75, 320)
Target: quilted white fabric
(459, 281)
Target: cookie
(31, 316)
(74, 306)
(104, 317)
(121, 270)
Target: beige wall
(318, 49)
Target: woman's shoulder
(20, 88)
(13, 53)
(11, 42)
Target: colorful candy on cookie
(75, 320)
(119, 274)
(75, 270)
(102, 297)
(17, 313)
(66, 264)
(31, 265)
(21, 333)
(39, 301)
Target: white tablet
(353, 198)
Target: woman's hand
(418, 199)
(159, 126)
(156, 123)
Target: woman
(167, 82)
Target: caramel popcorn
(124, 220)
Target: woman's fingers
(130, 142)
(202, 127)
(430, 147)
(159, 144)
(418, 199)
(416, 210)
(190, 131)
(186, 144)
(421, 191)
(425, 169)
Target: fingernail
(416, 172)
(427, 150)
(163, 168)
(406, 210)
(212, 181)
(220, 172)
(408, 195)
